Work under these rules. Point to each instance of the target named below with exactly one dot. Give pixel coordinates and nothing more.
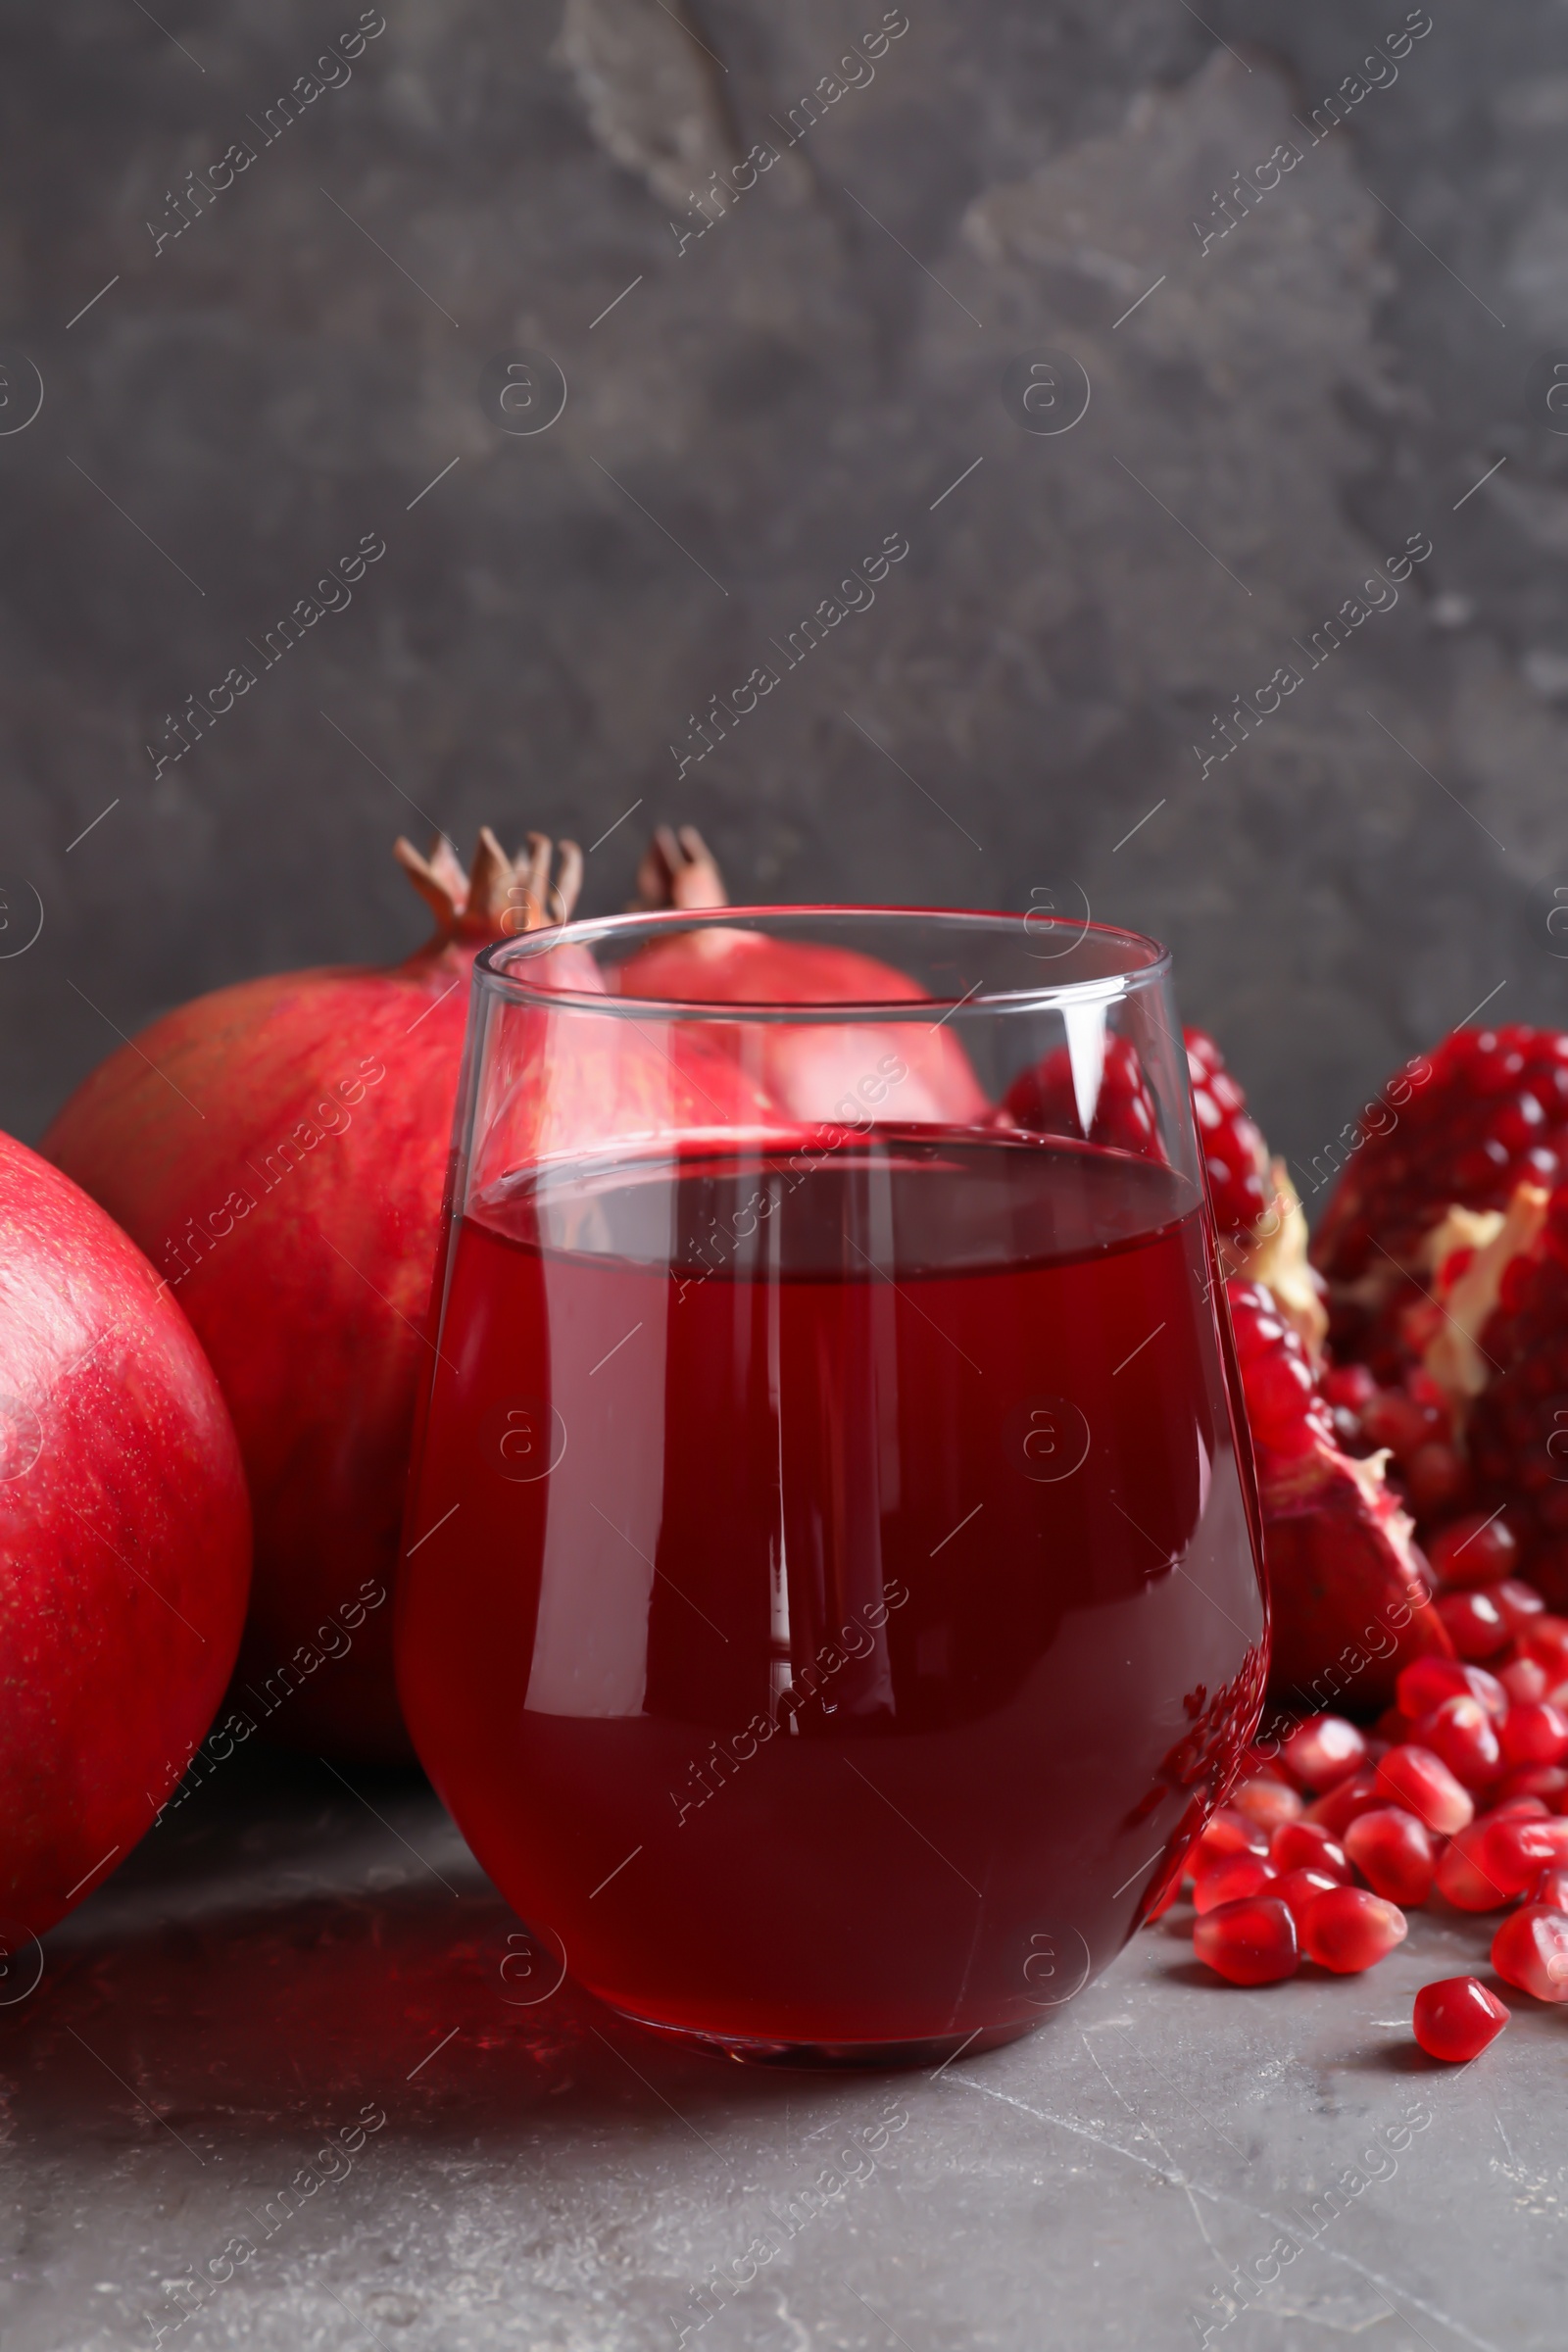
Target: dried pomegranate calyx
(678, 869)
(498, 896)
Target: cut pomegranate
(1456, 2018)
(1461, 1732)
(1308, 1846)
(1248, 1942)
(1235, 1154)
(1394, 1854)
(1462, 1878)
(1325, 1751)
(1044, 1101)
(1531, 1952)
(1476, 1550)
(1513, 1853)
(1473, 1623)
(1486, 1110)
(1518, 1426)
(1268, 1802)
(1534, 1734)
(1422, 1783)
(1299, 1887)
(1231, 1878)
(1350, 1930)
(1348, 1585)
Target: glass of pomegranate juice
(831, 1598)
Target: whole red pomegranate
(808, 1071)
(124, 1537)
(279, 1150)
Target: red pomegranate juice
(830, 1602)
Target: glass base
(832, 2057)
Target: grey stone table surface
(290, 2049)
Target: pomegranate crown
(678, 869)
(498, 896)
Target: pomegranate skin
(1456, 2018)
(1248, 1942)
(124, 1543)
(314, 1185)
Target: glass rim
(1142, 963)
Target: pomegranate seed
(1349, 1930)
(1531, 1950)
(1308, 1846)
(1324, 1751)
(1514, 1852)
(1461, 1733)
(1525, 1682)
(1472, 1551)
(1263, 1764)
(1336, 1811)
(1393, 1852)
(1548, 1782)
(1299, 1887)
(1226, 1833)
(1437, 1479)
(1391, 1729)
(1462, 1878)
(1248, 1942)
(1393, 1419)
(1473, 1623)
(1271, 1802)
(1550, 1888)
(1422, 1783)
(1534, 1735)
(1427, 1682)
(1456, 2018)
(1545, 1640)
(1351, 1386)
(1517, 1603)
(1229, 1878)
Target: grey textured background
(777, 396)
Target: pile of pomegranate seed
(1336, 1833)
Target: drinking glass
(831, 1600)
